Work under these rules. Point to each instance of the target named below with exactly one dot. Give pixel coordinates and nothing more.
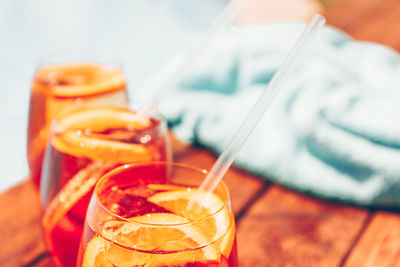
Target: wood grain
(383, 28)
(351, 14)
(372, 20)
(380, 243)
(284, 228)
(21, 236)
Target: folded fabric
(333, 130)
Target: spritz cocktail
(83, 145)
(60, 88)
(138, 216)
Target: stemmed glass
(61, 84)
(83, 145)
(138, 216)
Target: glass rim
(75, 112)
(58, 128)
(119, 169)
(73, 79)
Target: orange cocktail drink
(58, 88)
(83, 145)
(139, 216)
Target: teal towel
(334, 129)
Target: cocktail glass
(61, 87)
(138, 216)
(83, 145)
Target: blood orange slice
(165, 246)
(213, 216)
(73, 191)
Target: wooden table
(276, 226)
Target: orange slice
(95, 254)
(74, 190)
(102, 118)
(165, 187)
(213, 216)
(80, 79)
(73, 135)
(166, 244)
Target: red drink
(138, 216)
(59, 88)
(83, 146)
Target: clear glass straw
(227, 157)
(222, 21)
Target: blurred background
(128, 31)
(143, 34)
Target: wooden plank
(284, 228)
(179, 148)
(20, 237)
(242, 185)
(380, 243)
(346, 14)
(373, 20)
(384, 28)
